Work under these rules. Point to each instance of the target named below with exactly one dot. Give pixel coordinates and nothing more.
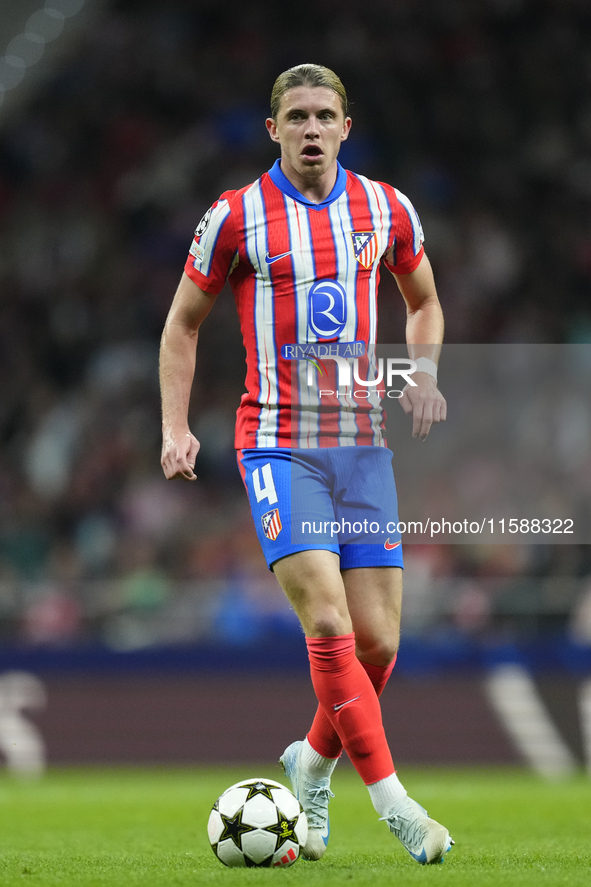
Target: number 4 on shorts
(268, 491)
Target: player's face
(310, 127)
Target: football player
(302, 248)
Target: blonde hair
(307, 75)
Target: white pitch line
(517, 702)
(585, 707)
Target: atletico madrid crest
(271, 524)
(365, 246)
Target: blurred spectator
(580, 623)
(52, 617)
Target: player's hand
(179, 450)
(425, 402)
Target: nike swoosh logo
(389, 545)
(422, 858)
(341, 704)
(270, 259)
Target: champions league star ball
(257, 823)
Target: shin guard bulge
(322, 736)
(349, 700)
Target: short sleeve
(406, 236)
(214, 249)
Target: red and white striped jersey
(305, 279)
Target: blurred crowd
(479, 110)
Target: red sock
(349, 700)
(322, 736)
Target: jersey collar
(279, 178)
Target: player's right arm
(178, 347)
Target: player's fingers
(417, 419)
(166, 465)
(405, 402)
(175, 465)
(185, 469)
(439, 410)
(427, 421)
(194, 448)
(188, 475)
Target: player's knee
(327, 623)
(381, 652)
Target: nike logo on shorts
(390, 545)
(270, 259)
(340, 705)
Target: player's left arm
(424, 335)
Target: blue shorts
(340, 499)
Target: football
(257, 823)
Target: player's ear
(346, 129)
(272, 128)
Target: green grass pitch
(115, 827)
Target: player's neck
(313, 187)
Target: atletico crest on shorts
(271, 524)
(365, 246)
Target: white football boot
(313, 795)
(426, 840)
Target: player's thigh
(374, 601)
(314, 586)
(290, 503)
(366, 505)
